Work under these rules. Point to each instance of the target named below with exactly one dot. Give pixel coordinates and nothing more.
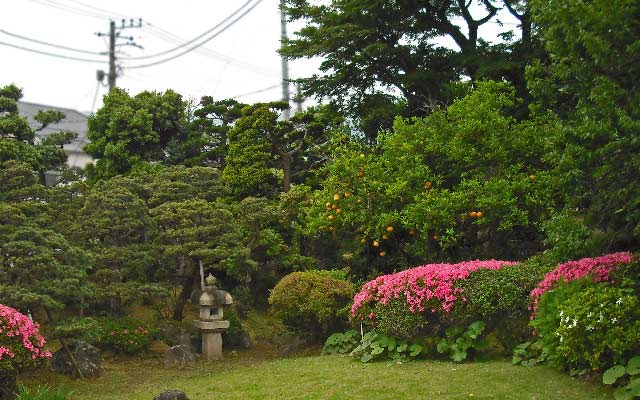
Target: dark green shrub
(588, 326)
(394, 319)
(312, 303)
(123, 335)
(501, 299)
(232, 337)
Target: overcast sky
(239, 61)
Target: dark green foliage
(129, 130)
(458, 341)
(373, 47)
(232, 337)
(312, 303)
(591, 85)
(501, 299)
(393, 319)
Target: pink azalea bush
(21, 344)
(598, 268)
(426, 288)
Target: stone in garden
(87, 357)
(171, 395)
(179, 356)
(184, 339)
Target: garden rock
(179, 356)
(87, 357)
(171, 395)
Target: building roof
(74, 121)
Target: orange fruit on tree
(479, 214)
(532, 178)
(334, 206)
(375, 243)
(385, 236)
(427, 184)
(336, 197)
(363, 241)
(347, 194)
(389, 228)
(436, 237)
(339, 210)
(383, 253)
(473, 214)
(330, 217)
(327, 204)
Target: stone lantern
(212, 302)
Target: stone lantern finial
(210, 280)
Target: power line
(50, 44)
(51, 54)
(167, 36)
(199, 44)
(197, 37)
(69, 9)
(255, 91)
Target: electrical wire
(95, 97)
(71, 10)
(199, 44)
(174, 39)
(216, 26)
(51, 54)
(255, 92)
(98, 9)
(50, 44)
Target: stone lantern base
(212, 338)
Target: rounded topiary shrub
(21, 346)
(313, 303)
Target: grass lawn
(328, 377)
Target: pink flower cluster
(599, 268)
(420, 285)
(16, 329)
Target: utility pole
(114, 35)
(112, 55)
(286, 95)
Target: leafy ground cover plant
(341, 342)
(379, 346)
(621, 373)
(458, 341)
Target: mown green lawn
(328, 377)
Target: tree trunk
(185, 295)
(286, 168)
